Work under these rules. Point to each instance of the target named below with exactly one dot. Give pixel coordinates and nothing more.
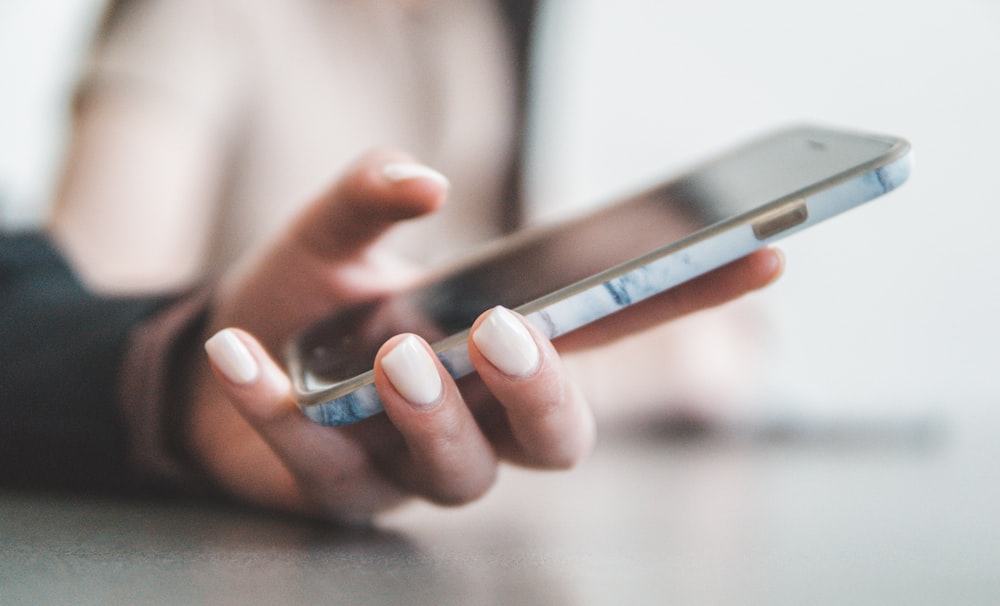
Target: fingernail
(232, 357)
(780, 259)
(506, 343)
(412, 372)
(404, 171)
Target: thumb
(382, 188)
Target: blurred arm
(138, 195)
(155, 113)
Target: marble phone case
(560, 312)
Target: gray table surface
(865, 514)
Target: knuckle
(456, 493)
(564, 448)
(565, 459)
(272, 412)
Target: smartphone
(568, 275)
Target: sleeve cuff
(150, 414)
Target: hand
(254, 442)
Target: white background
(891, 308)
(41, 45)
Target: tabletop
(861, 512)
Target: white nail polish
(413, 372)
(232, 357)
(507, 343)
(403, 171)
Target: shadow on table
(916, 433)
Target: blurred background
(888, 311)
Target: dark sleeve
(62, 351)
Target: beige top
(205, 124)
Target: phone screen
(537, 263)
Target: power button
(780, 219)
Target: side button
(780, 219)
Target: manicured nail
(506, 343)
(232, 357)
(780, 259)
(403, 171)
(413, 372)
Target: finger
(331, 477)
(551, 424)
(729, 282)
(382, 188)
(326, 257)
(447, 459)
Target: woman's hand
(437, 440)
